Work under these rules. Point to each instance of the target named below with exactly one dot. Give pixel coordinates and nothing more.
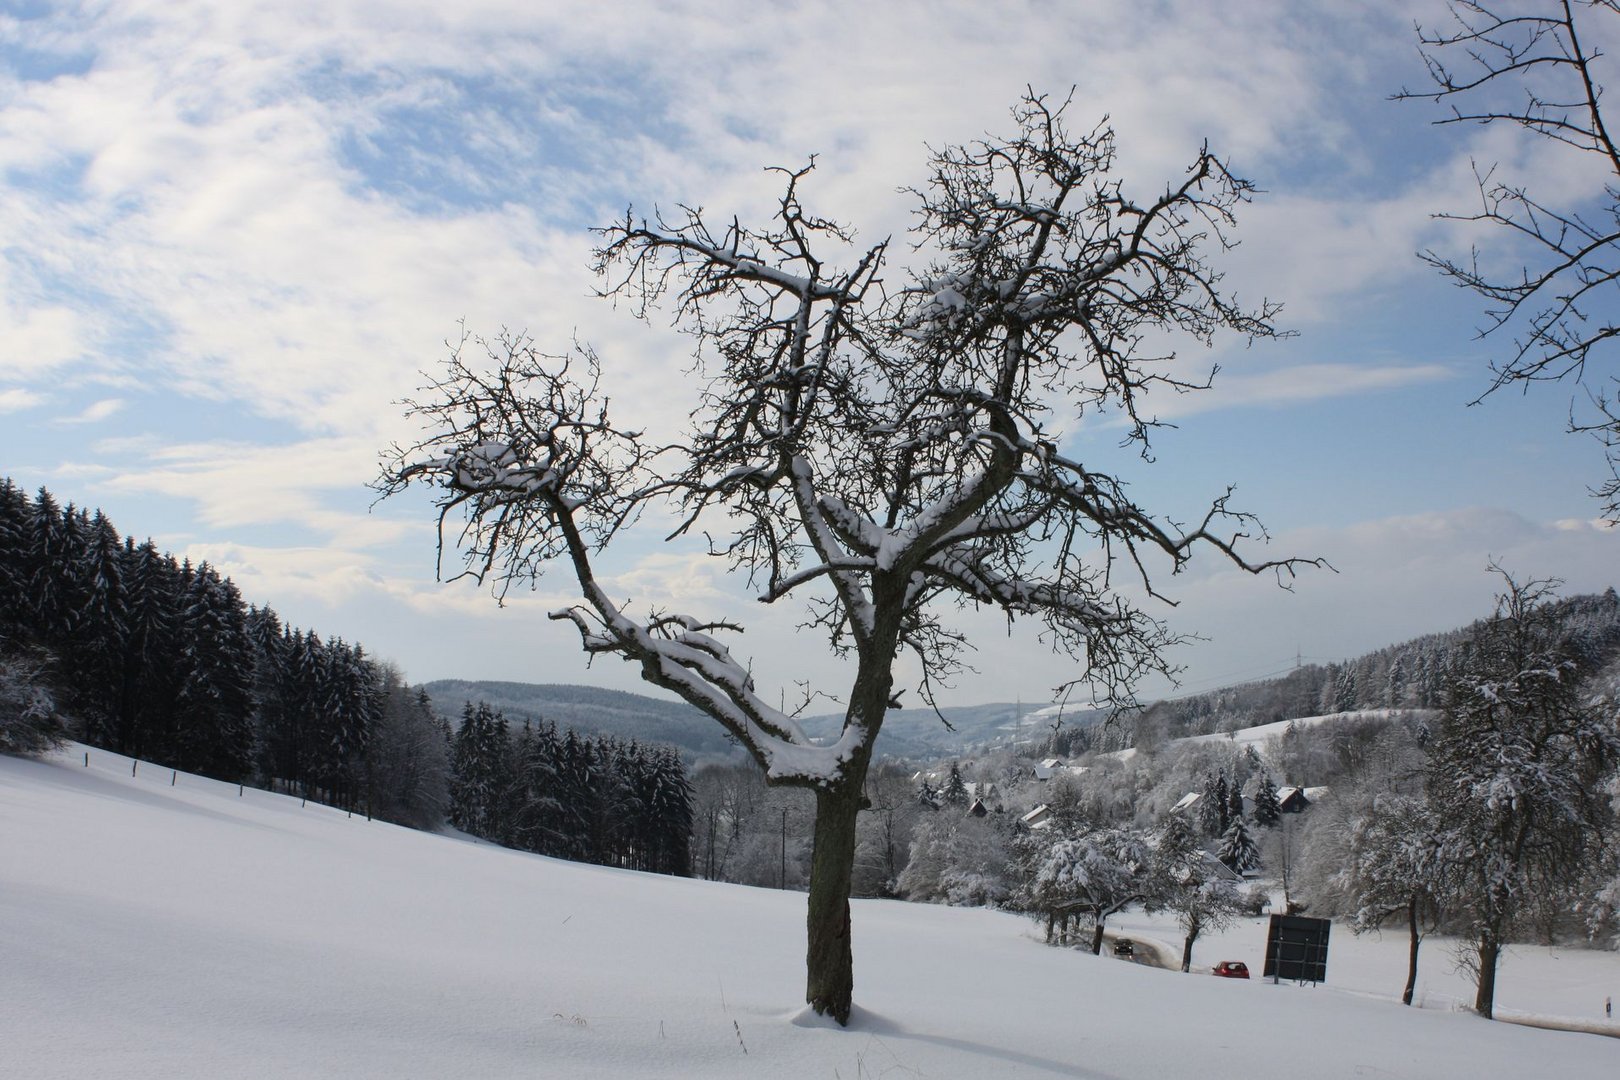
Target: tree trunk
(1489, 949)
(1412, 954)
(831, 970)
(1096, 938)
(1186, 953)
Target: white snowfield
(1260, 734)
(158, 931)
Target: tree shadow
(865, 1022)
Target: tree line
(1415, 674)
(614, 802)
(161, 659)
(127, 648)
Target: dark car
(1231, 969)
(1125, 947)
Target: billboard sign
(1296, 948)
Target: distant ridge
(907, 733)
(591, 709)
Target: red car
(1231, 969)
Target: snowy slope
(1258, 735)
(158, 931)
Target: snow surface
(158, 931)
(1258, 735)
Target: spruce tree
(1266, 811)
(672, 808)
(95, 655)
(214, 706)
(464, 772)
(15, 515)
(1237, 847)
(46, 609)
(149, 681)
(1211, 807)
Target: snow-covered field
(150, 930)
(1258, 735)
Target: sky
(235, 236)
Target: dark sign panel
(1296, 948)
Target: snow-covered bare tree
(1517, 771)
(883, 452)
(1537, 67)
(1200, 896)
(1393, 868)
(1098, 873)
(957, 859)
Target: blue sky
(234, 235)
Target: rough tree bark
(1487, 952)
(1413, 927)
(829, 957)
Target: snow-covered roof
(1214, 866)
(1187, 800)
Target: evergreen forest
(110, 641)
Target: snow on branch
(875, 452)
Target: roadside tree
(1198, 894)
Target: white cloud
(1397, 578)
(1296, 384)
(95, 412)
(17, 399)
(284, 209)
(237, 486)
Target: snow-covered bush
(29, 721)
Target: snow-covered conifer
(1266, 812)
(1237, 848)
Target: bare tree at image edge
(1536, 68)
(879, 454)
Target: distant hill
(909, 733)
(1409, 675)
(591, 709)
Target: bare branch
(1536, 71)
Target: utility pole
(781, 881)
